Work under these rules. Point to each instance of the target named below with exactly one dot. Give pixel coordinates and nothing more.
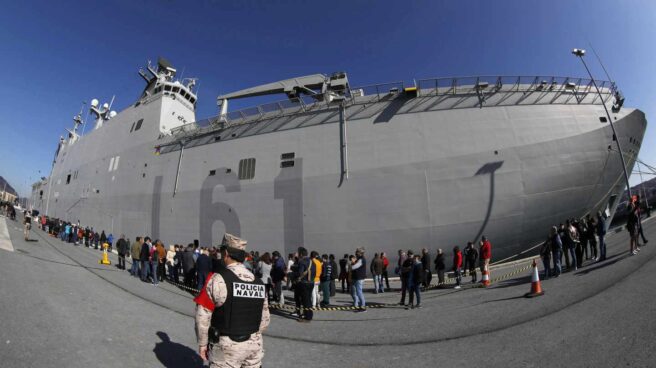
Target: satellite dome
(112, 114)
(94, 103)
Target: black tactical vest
(242, 311)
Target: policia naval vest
(241, 314)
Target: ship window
(217, 138)
(192, 100)
(176, 89)
(68, 179)
(167, 88)
(603, 119)
(212, 172)
(228, 171)
(247, 169)
(287, 164)
(287, 156)
(133, 124)
(138, 125)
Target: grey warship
(333, 167)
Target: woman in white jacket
(170, 261)
(264, 266)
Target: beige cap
(234, 242)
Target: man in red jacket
(486, 256)
(457, 265)
(385, 264)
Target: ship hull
(431, 179)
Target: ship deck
(382, 101)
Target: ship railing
(274, 109)
(184, 129)
(482, 86)
(509, 84)
(375, 92)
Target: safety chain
(394, 305)
(332, 308)
(193, 290)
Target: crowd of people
(313, 278)
(584, 239)
(7, 209)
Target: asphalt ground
(59, 307)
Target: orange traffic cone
(486, 278)
(536, 288)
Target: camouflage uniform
(227, 353)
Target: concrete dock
(59, 307)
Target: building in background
(7, 192)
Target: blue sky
(56, 54)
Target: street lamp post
(579, 53)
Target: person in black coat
(405, 270)
(425, 263)
(439, 267)
(188, 265)
(178, 263)
(203, 267)
(471, 257)
(103, 238)
(144, 257)
(122, 249)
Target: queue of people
(313, 277)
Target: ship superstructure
(387, 167)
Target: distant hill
(9, 188)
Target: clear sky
(56, 54)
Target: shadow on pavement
(601, 265)
(172, 354)
(513, 282)
(504, 299)
(284, 313)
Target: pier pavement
(59, 307)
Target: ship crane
(331, 89)
(317, 86)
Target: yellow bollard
(105, 257)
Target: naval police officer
(231, 319)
